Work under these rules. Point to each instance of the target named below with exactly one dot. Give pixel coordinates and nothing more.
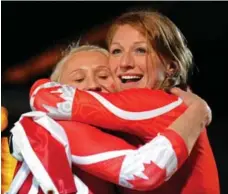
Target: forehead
(88, 58)
(127, 33)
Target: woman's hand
(198, 105)
(196, 117)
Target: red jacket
(144, 113)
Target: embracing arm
(142, 112)
(133, 111)
(42, 146)
(152, 172)
(96, 152)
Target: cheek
(156, 76)
(108, 84)
(114, 63)
(160, 74)
(80, 86)
(65, 80)
(151, 72)
(74, 84)
(142, 63)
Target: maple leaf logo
(62, 101)
(158, 176)
(56, 101)
(148, 166)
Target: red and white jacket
(142, 112)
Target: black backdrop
(30, 27)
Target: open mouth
(130, 78)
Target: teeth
(130, 77)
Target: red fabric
(96, 185)
(56, 156)
(108, 169)
(93, 137)
(175, 140)
(199, 172)
(198, 175)
(27, 184)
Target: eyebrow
(102, 67)
(76, 71)
(137, 42)
(99, 68)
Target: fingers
(197, 104)
(178, 92)
(187, 97)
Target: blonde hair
(164, 37)
(56, 74)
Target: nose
(127, 61)
(93, 85)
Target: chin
(132, 85)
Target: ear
(172, 68)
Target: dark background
(28, 28)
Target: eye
(103, 74)
(103, 77)
(115, 51)
(79, 80)
(141, 50)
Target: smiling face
(133, 62)
(88, 70)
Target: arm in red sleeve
(25, 182)
(113, 159)
(96, 152)
(119, 111)
(34, 145)
(142, 112)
